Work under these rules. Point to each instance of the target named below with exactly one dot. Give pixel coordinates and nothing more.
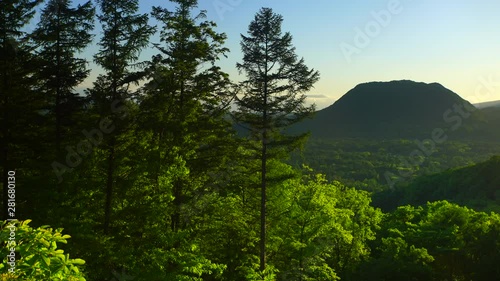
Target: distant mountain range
(400, 109)
(487, 104)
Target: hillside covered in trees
(144, 177)
(402, 109)
(476, 186)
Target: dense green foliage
(36, 255)
(146, 174)
(475, 186)
(458, 171)
(439, 241)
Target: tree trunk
(176, 216)
(263, 205)
(263, 199)
(178, 185)
(109, 187)
(111, 157)
(58, 86)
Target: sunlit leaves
(37, 256)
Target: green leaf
(78, 261)
(46, 260)
(45, 243)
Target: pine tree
(185, 102)
(273, 97)
(61, 33)
(125, 34)
(18, 112)
(185, 140)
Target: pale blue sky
(452, 42)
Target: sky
(452, 42)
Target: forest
(146, 175)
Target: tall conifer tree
(17, 108)
(273, 97)
(125, 34)
(61, 33)
(185, 102)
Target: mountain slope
(389, 109)
(476, 186)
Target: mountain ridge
(397, 108)
(475, 186)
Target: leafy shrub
(36, 254)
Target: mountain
(476, 186)
(488, 104)
(399, 109)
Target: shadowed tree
(185, 102)
(273, 97)
(181, 137)
(125, 34)
(61, 33)
(17, 107)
